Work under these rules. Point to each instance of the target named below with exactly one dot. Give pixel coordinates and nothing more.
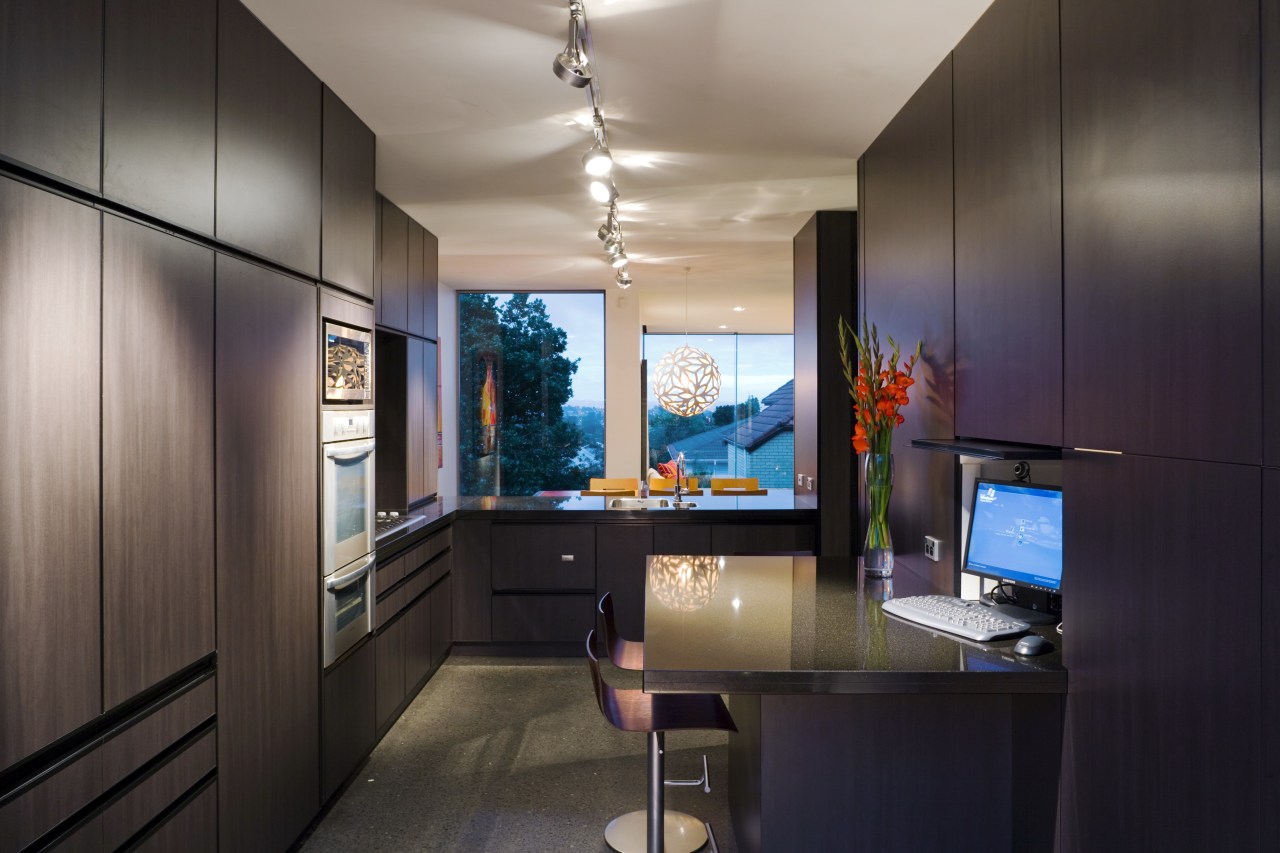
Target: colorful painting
(488, 409)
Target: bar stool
(655, 714)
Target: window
(530, 392)
(750, 430)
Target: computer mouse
(1032, 644)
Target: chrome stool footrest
(705, 781)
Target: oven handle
(350, 577)
(349, 452)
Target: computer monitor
(1015, 535)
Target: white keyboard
(955, 616)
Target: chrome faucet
(679, 475)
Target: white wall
(622, 342)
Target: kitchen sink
(639, 503)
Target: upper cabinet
(269, 134)
(1161, 228)
(349, 222)
(50, 578)
(393, 270)
(1008, 225)
(51, 77)
(431, 281)
(160, 98)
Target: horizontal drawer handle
(566, 558)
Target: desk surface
(773, 625)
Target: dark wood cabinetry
(824, 253)
(731, 539)
(193, 829)
(50, 665)
(269, 136)
(157, 456)
(159, 108)
(51, 77)
(544, 556)
(431, 282)
(417, 642)
(393, 268)
(1271, 233)
(441, 620)
(416, 427)
(1008, 226)
(389, 687)
(349, 199)
(1155, 543)
(472, 620)
(1161, 226)
(268, 577)
(349, 725)
(682, 539)
(621, 554)
(1270, 664)
(416, 318)
(908, 284)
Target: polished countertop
(814, 625)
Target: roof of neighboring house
(703, 445)
(778, 415)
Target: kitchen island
(854, 725)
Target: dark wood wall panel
(909, 281)
(622, 552)
(157, 456)
(268, 568)
(1161, 227)
(394, 268)
(349, 198)
(1163, 726)
(1271, 231)
(472, 618)
(51, 77)
(269, 136)
(49, 496)
(1008, 237)
(160, 102)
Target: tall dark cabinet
(824, 254)
(349, 199)
(157, 456)
(1008, 226)
(268, 567)
(1160, 226)
(269, 137)
(49, 497)
(159, 85)
(51, 78)
(908, 287)
(1163, 729)
(393, 269)
(1271, 232)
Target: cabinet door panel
(50, 662)
(677, 538)
(431, 280)
(1270, 664)
(417, 643)
(51, 76)
(1143, 531)
(160, 108)
(1271, 231)
(266, 397)
(1008, 185)
(544, 556)
(621, 555)
(760, 538)
(472, 590)
(441, 620)
(542, 618)
(348, 198)
(389, 689)
(157, 456)
(417, 295)
(1161, 296)
(394, 268)
(269, 133)
(348, 717)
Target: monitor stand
(1023, 614)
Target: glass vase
(877, 551)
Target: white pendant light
(686, 381)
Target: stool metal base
(683, 833)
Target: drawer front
(389, 574)
(544, 556)
(435, 544)
(441, 566)
(136, 745)
(192, 830)
(542, 618)
(26, 818)
(132, 811)
(389, 605)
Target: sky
(749, 364)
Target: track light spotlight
(619, 260)
(614, 245)
(571, 64)
(623, 278)
(598, 161)
(603, 190)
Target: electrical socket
(933, 548)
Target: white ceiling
(730, 122)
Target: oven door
(348, 503)
(348, 608)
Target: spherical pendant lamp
(686, 381)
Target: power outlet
(933, 548)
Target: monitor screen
(1015, 534)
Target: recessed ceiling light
(739, 308)
(724, 327)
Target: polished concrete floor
(502, 754)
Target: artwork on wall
(488, 414)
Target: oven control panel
(345, 426)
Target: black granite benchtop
(780, 505)
(771, 625)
